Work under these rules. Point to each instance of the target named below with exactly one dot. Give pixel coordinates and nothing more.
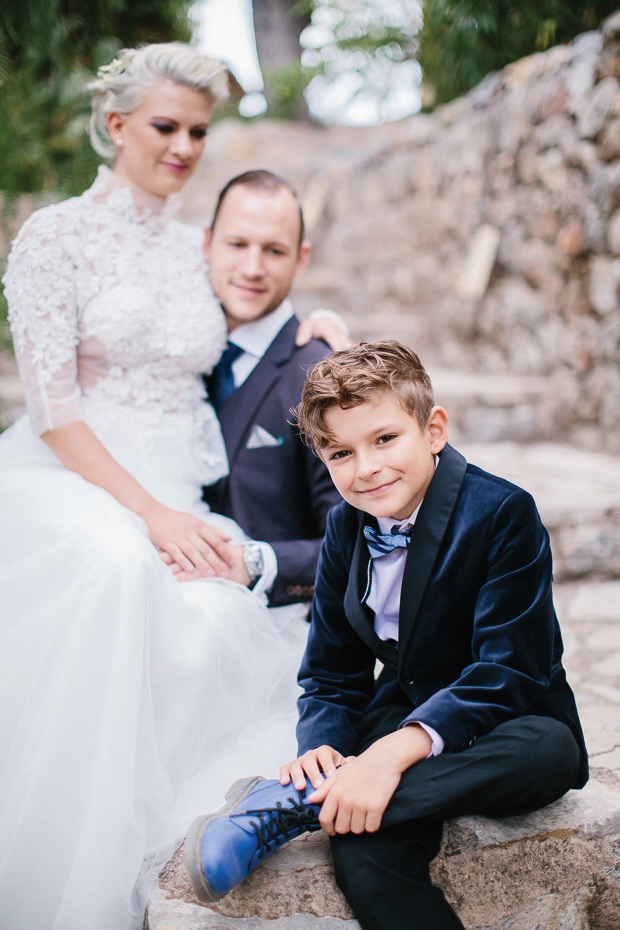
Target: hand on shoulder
(330, 328)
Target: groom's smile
(254, 252)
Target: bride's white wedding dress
(128, 701)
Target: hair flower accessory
(116, 66)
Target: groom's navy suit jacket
(479, 642)
(279, 492)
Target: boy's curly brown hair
(357, 376)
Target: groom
(276, 489)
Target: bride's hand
(237, 572)
(183, 540)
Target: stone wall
(524, 169)
(486, 235)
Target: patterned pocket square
(260, 438)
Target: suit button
(411, 681)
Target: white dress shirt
(255, 338)
(384, 597)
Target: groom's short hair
(260, 180)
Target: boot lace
(277, 824)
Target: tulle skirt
(128, 701)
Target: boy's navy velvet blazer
(479, 642)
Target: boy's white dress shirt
(384, 596)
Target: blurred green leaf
(49, 49)
(461, 41)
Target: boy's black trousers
(517, 768)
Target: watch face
(253, 561)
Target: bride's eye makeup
(164, 128)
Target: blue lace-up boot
(260, 815)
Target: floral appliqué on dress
(112, 314)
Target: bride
(128, 700)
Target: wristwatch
(253, 561)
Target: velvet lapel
(359, 615)
(426, 537)
(238, 414)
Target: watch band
(253, 561)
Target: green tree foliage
(463, 40)
(48, 50)
(364, 52)
(456, 42)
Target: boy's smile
(379, 458)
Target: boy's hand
(356, 795)
(313, 765)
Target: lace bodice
(109, 301)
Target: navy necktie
(224, 379)
(382, 543)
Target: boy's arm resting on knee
(356, 795)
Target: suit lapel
(238, 414)
(359, 615)
(426, 537)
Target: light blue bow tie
(382, 543)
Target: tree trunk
(277, 30)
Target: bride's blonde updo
(119, 86)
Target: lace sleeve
(40, 285)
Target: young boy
(443, 573)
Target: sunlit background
(387, 89)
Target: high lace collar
(117, 192)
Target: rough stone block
(604, 284)
(557, 869)
(600, 105)
(169, 914)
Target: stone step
(492, 408)
(186, 916)
(482, 408)
(294, 889)
(578, 496)
(558, 869)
